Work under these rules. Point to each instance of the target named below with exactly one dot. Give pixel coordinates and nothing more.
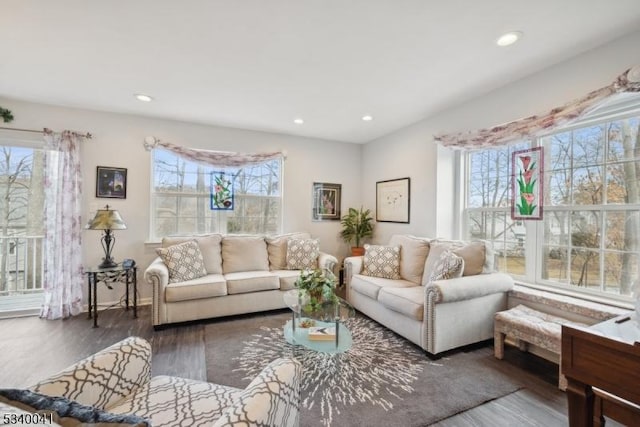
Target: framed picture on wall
(326, 201)
(111, 182)
(393, 200)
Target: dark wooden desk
(605, 356)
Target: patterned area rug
(382, 380)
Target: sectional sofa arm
(468, 287)
(105, 378)
(352, 265)
(327, 261)
(157, 272)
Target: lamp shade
(106, 219)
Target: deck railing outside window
(21, 264)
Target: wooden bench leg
(498, 344)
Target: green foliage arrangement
(356, 225)
(6, 115)
(319, 285)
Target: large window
(181, 192)
(588, 238)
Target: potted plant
(319, 285)
(356, 225)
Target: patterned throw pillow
(66, 412)
(382, 261)
(184, 261)
(302, 254)
(448, 266)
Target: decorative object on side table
(319, 285)
(356, 225)
(106, 220)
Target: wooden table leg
(580, 399)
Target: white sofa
(438, 315)
(115, 387)
(244, 274)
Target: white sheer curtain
(63, 277)
(543, 123)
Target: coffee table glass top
(330, 314)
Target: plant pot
(357, 251)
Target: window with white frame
(588, 239)
(181, 197)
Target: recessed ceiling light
(367, 118)
(298, 121)
(509, 38)
(142, 97)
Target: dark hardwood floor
(32, 348)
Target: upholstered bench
(529, 326)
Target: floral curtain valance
(208, 157)
(541, 124)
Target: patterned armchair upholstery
(117, 379)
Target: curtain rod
(84, 134)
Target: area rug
(382, 380)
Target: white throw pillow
(244, 253)
(381, 261)
(448, 266)
(302, 254)
(184, 261)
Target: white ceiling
(258, 64)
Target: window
(181, 192)
(21, 220)
(588, 239)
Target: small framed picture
(392, 200)
(111, 182)
(326, 201)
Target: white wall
(411, 151)
(117, 141)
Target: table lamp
(106, 220)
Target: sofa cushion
(474, 255)
(184, 261)
(66, 412)
(302, 254)
(287, 278)
(381, 261)
(244, 253)
(407, 301)
(370, 286)
(251, 281)
(413, 254)
(209, 247)
(449, 266)
(178, 401)
(277, 249)
(211, 285)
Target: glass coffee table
(330, 315)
